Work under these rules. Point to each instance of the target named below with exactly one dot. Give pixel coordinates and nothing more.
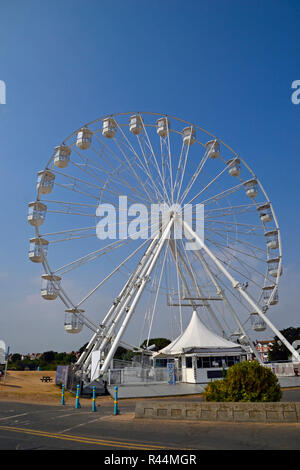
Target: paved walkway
(156, 390)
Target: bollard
(94, 408)
(63, 395)
(116, 409)
(77, 404)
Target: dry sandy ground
(27, 387)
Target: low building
(263, 347)
(201, 354)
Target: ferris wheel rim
(45, 263)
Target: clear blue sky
(226, 65)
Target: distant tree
(278, 351)
(16, 357)
(82, 348)
(48, 356)
(160, 343)
(71, 357)
(123, 354)
(61, 357)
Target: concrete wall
(208, 411)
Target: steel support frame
(121, 308)
(238, 286)
(199, 291)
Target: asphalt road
(24, 426)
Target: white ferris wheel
(216, 247)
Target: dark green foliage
(83, 348)
(160, 343)
(123, 354)
(49, 360)
(246, 381)
(16, 357)
(48, 356)
(278, 351)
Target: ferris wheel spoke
(77, 182)
(81, 229)
(232, 214)
(255, 250)
(105, 183)
(183, 170)
(90, 256)
(175, 322)
(71, 237)
(157, 292)
(200, 291)
(110, 154)
(127, 165)
(115, 174)
(104, 250)
(84, 164)
(194, 178)
(156, 165)
(165, 146)
(239, 259)
(222, 194)
(67, 206)
(151, 178)
(227, 257)
(179, 169)
(164, 167)
(245, 233)
(230, 210)
(178, 278)
(221, 288)
(238, 250)
(73, 187)
(147, 317)
(158, 187)
(112, 273)
(75, 179)
(236, 296)
(237, 224)
(228, 263)
(140, 180)
(232, 227)
(112, 173)
(68, 203)
(147, 184)
(142, 164)
(68, 212)
(72, 234)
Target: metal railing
(139, 375)
(284, 369)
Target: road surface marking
(85, 440)
(78, 425)
(13, 416)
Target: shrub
(245, 381)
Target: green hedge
(246, 381)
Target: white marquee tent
(198, 338)
(203, 354)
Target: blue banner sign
(171, 373)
